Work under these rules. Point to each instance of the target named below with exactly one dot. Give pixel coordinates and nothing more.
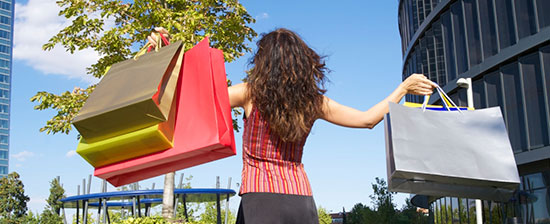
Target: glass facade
(532, 205)
(6, 43)
(504, 46)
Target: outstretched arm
(349, 117)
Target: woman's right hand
(152, 38)
(418, 84)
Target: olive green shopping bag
(133, 95)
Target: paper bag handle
(443, 97)
(148, 47)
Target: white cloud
(35, 23)
(70, 153)
(22, 156)
(262, 16)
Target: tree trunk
(168, 196)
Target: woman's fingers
(162, 31)
(152, 40)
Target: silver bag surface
(448, 153)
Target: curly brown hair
(286, 84)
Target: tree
(324, 217)
(361, 214)
(56, 193)
(51, 213)
(409, 214)
(210, 214)
(31, 218)
(224, 21)
(382, 201)
(13, 201)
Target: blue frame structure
(134, 199)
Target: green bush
(144, 220)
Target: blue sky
(362, 44)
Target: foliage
(360, 214)
(409, 214)
(115, 29)
(51, 213)
(80, 216)
(50, 217)
(144, 220)
(209, 216)
(383, 210)
(67, 105)
(324, 217)
(382, 200)
(13, 201)
(56, 193)
(31, 218)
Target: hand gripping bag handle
(443, 97)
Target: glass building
(504, 47)
(6, 43)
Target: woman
(282, 97)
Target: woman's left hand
(152, 38)
(418, 84)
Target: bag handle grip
(444, 97)
(148, 47)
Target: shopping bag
(449, 153)
(134, 94)
(130, 145)
(204, 128)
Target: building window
(420, 6)
(3, 170)
(4, 124)
(4, 63)
(546, 62)
(479, 94)
(536, 186)
(4, 78)
(4, 34)
(463, 212)
(505, 18)
(494, 92)
(430, 45)
(543, 6)
(440, 52)
(488, 28)
(449, 46)
(4, 139)
(5, 5)
(460, 42)
(474, 43)
(5, 20)
(534, 92)
(4, 49)
(3, 154)
(514, 106)
(4, 93)
(414, 15)
(4, 108)
(525, 18)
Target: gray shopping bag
(449, 153)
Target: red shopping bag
(204, 128)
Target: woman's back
(269, 163)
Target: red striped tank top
(270, 164)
